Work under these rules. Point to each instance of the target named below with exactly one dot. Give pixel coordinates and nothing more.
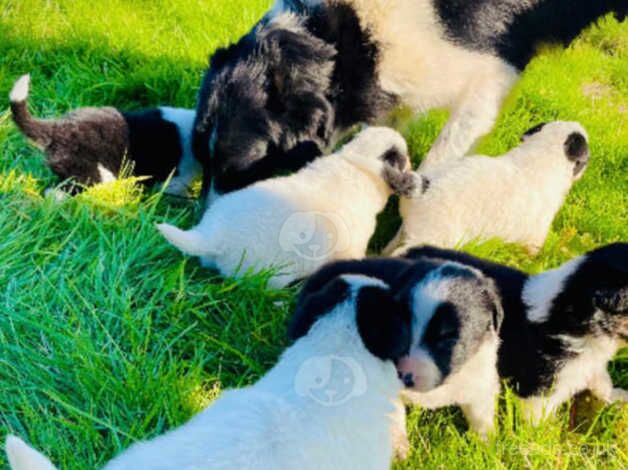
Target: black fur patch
(383, 323)
(154, 144)
(441, 336)
(576, 147)
(395, 158)
(513, 31)
(355, 91)
(535, 130)
(318, 288)
(311, 307)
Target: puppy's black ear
(614, 301)
(383, 323)
(494, 304)
(300, 68)
(315, 303)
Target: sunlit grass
(108, 335)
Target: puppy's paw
(402, 447)
(619, 395)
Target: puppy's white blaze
(541, 290)
(20, 90)
(106, 176)
(23, 457)
(190, 242)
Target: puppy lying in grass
(90, 145)
(290, 418)
(561, 327)
(514, 197)
(299, 222)
(455, 318)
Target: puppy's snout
(419, 372)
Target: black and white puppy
(312, 68)
(325, 405)
(92, 145)
(560, 328)
(455, 315)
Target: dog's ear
(300, 68)
(384, 323)
(493, 302)
(313, 304)
(614, 301)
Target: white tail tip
(20, 90)
(189, 242)
(23, 457)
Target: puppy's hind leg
(399, 432)
(602, 387)
(472, 117)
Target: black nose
(408, 380)
(576, 147)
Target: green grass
(108, 335)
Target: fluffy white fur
(587, 371)
(514, 197)
(427, 71)
(541, 290)
(474, 388)
(20, 90)
(189, 168)
(299, 222)
(276, 424)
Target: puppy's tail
(23, 457)
(190, 242)
(39, 131)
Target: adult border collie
(312, 68)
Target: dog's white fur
(475, 388)
(427, 70)
(273, 424)
(587, 371)
(189, 168)
(21, 89)
(514, 197)
(541, 290)
(336, 199)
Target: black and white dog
(92, 145)
(312, 68)
(560, 328)
(455, 314)
(325, 405)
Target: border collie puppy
(313, 68)
(560, 328)
(514, 197)
(299, 222)
(326, 404)
(91, 145)
(455, 317)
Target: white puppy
(514, 197)
(327, 404)
(299, 222)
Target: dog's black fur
(84, 139)
(476, 24)
(385, 336)
(279, 96)
(593, 302)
